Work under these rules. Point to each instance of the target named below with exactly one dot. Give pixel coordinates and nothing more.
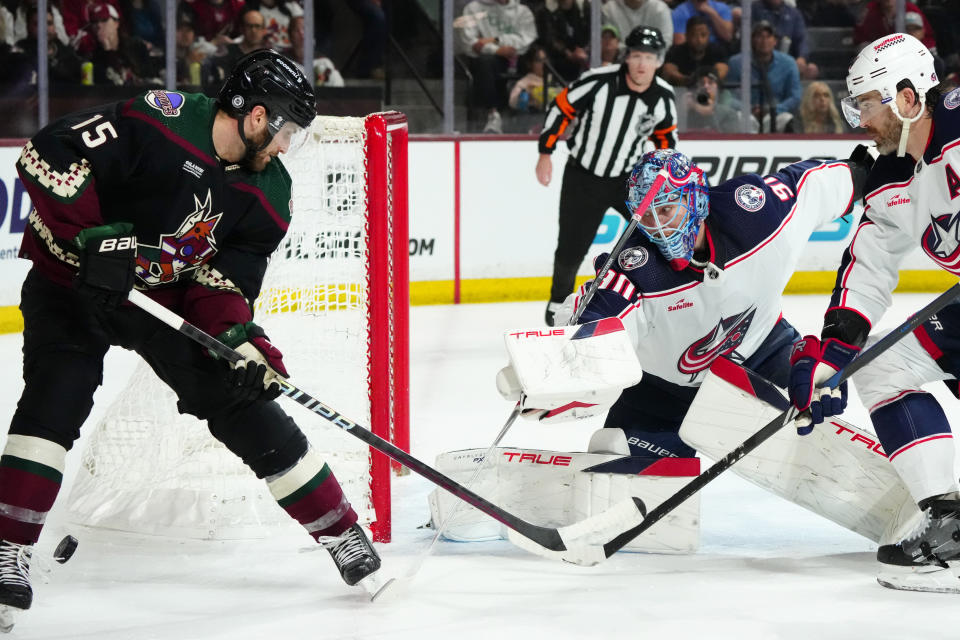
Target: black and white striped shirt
(615, 124)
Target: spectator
(120, 59)
(253, 38)
(527, 94)
(64, 64)
(564, 28)
(216, 21)
(374, 39)
(494, 33)
(77, 23)
(774, 80)
(878, 21)
(718, 15)
(829, 13)
(609, 45)
(705, 110)
(695, 52)
(277, 15)
(818, 111)
(792, 31)
(627, 14)
(191, 52)
(325, 73)
(144, 19)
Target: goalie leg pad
(554, 488)
(838, 471)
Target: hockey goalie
(682, 344)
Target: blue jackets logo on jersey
(941, 241)
(750, 197)
(633, 258)
(187, 248)
(167, 102)
(952, 99)
(722, 340)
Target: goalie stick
(777, 423)
(580, 543)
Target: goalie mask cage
(335, 301)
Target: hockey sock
(917, 438)
(310, 493)
(31, 472)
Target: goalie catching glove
(108, 259)
(255, 376)
(555, 408)
(811, 364)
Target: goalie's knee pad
(663, 444)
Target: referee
(622, 111)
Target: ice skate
(15, 592)
(353, 554)
(928, 559)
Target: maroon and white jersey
(907, 204)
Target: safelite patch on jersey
(750, 197)
(952, 100)
(632, 258)
(167, 102)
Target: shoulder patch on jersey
(633, 258)
(167, 102)
(952, 99)
(750, 197)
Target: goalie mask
(881, 66)
(667, 193)
(272, 81)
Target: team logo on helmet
(952, 100)
(237, 101)
(750, 197)
(167, 102)
(633, 258)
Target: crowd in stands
(121, 42)
(513, 43)
(520, 53)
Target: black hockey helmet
(273, 81)
(643, 38)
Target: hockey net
(334, 300)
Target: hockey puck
(65, 549)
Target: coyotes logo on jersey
(722, 340)
(187, 248)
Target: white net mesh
(148, 469)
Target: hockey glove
(108, 259)
(811, 364)
(255, 377)
(860, 162)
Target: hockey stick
(579, 543)
(784, 418)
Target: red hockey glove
(811, 364)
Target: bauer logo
(750, 197)
(952, 100)
(167, 102)
(633, 258)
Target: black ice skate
(353, 554)
(928, 559)
(15, 592)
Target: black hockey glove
(108, 259)
(254, 378)
(860, 163)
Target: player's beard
(887, 133)
(256, 161)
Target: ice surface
(766, 569)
